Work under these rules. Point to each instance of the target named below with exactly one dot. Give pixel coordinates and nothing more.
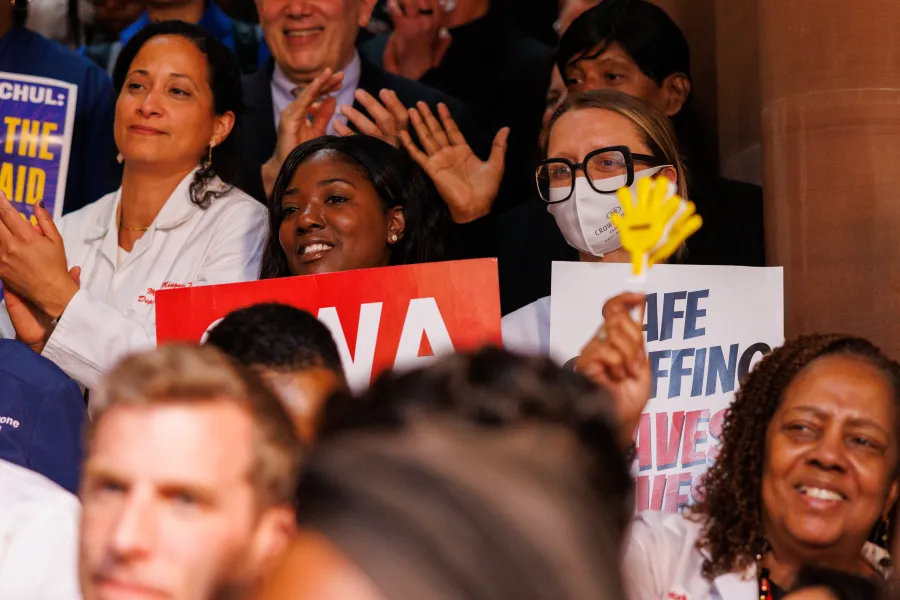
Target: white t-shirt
(38, 537)
(527, 330)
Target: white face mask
(584, 219)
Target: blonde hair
(653, 125)
(180, 373)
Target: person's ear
(396, 225)
(222, 127)
(276, 527)
(676, 88)
(365, 11)
(669, 173)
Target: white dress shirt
(38, 537)
(283, 91)
(114, 312)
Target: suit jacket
(256, 127)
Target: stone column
(830, 91)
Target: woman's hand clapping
(467, 184)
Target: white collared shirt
(282, 88)
(38, 537)
(114, 312)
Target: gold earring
(119, 158)
(209, 156)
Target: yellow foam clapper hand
(643, 226)
(680, 227)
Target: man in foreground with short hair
(188, 483)
(291, 350)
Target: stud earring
(119, 158)
(393, 238)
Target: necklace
(121, 226)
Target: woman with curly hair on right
(807, 471)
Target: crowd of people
(220, 143)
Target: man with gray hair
(187, 491)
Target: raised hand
(418, 42)
(467, 184)
(304, 119)
(617, 361)
(390, 118)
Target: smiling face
(831, 459)
(168, 503)
(308, 36)
(164, 113)
(332, 218)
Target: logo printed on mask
(584, 219)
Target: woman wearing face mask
(807, 471)
(595, 144)
(175, 222)
(343, 203)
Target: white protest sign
(705, 327)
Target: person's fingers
(623, 303)
(422, 132)
(322, 116)
(454, 135)
(382, 116)
(12, 220)
(332, 85)
(444, 40)
(48, 227)
(341, 129)
(621, 337)
(437, 132)
(498, 148)
(362, 122)
(417, 155)
(393, 104)
(75, 274)
(609, 358)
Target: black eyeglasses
(556, 176)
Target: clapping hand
(418, 42)
(467, 184)
(304, 119)
(389, 117)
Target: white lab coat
(114, 312)
(527, 330)
(662, 562)
(38, 537)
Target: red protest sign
(380, 318)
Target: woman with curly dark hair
(343, 203)
(806, 473)
(176, 221)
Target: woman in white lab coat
(806, 474)
(175, 221)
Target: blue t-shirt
(92, 171)
(42, 414)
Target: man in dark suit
(306, 39)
